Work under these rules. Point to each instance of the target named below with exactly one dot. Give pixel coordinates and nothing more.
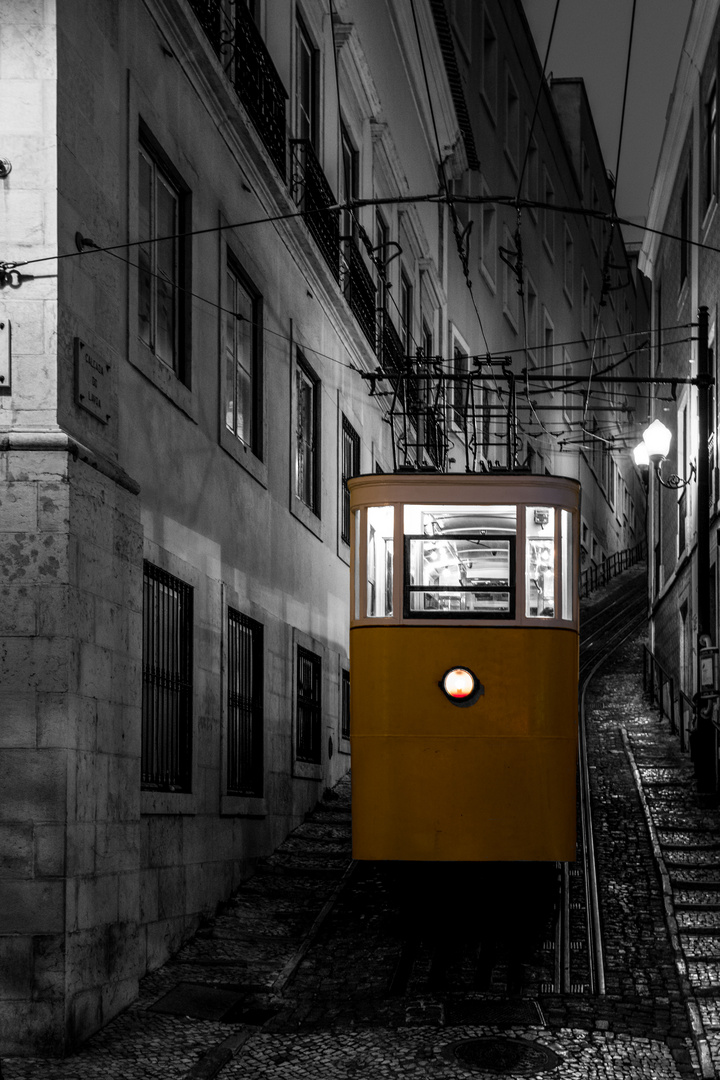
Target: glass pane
(566, 576)
(230, 323)
(144, 250)
(476, 520)
(166, 254)
(461, 602)
(540, 562)
(356, 566)
(380, 561)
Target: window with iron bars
(167, 681)
(245, 706)
(345, 704)
(350, 467)
(308, 706)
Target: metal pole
(704, 756)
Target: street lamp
(654, 448)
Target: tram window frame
(435, 613)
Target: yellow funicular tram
(464, 666)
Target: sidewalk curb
(691, 1006)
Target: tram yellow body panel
(495, 781)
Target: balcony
(236, 41)
(359, 289)
(312, 193)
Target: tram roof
(464, 488)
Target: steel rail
(596, 958)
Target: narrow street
(321, 967)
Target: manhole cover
(518, 1057)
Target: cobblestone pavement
(301, 975)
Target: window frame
(347, 432)
(311, 756)
(308, 129)
(256, 630)
(155, 684)
(149, 149)
(255, 446)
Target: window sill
(242, 806)
(306, 516)
(307, 770)
(244, 456)
(164, 379)
(568, 296)
(510, 319)
(490, 110)
(167, 802)
(548, 250)
(344, 746)
(488, 278)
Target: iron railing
(313, 194)
(238, 44)
(670, 701)
(597, 576)
(359, 289)
(309, 706)
(245, 706)
(167, 681)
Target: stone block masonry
(70, 657)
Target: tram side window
(460, 562)
(566, 573)
(540, 562)
(380, 522)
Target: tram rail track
(579, 964)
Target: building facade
(683, 270)
(583, 308)
(185, 318)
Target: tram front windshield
(459, 561)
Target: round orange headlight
(461, 686)
(458, 683)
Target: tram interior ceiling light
(654, 449)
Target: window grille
(167, 681)
(245, 705)
(350, 467)
(345, 704)
(309, 706)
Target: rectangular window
(306, 86)
(567, 393)
(460, 562)
(308, 706)
(162, 206)
(711, 147)
(167, 681)
(406, 312)
(307, 437)
(511, 299)
(458, 388)
(488, 250)
(569, 264)
(350, 467)
(349, 183)
(245, 706)
(243, 338)
(548, 214)
(540, 562)
(585, 314)
(512, 124)
(566, 551)
(684, 231)
(548, 344)
(380, 556)
(531, 317)
(531, 171)
(345, 703)
(489, 70)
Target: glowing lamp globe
(458, 683)
(657, 439)
(641, 456)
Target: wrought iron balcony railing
(311, 191)
(236, 41)
(359, 289)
